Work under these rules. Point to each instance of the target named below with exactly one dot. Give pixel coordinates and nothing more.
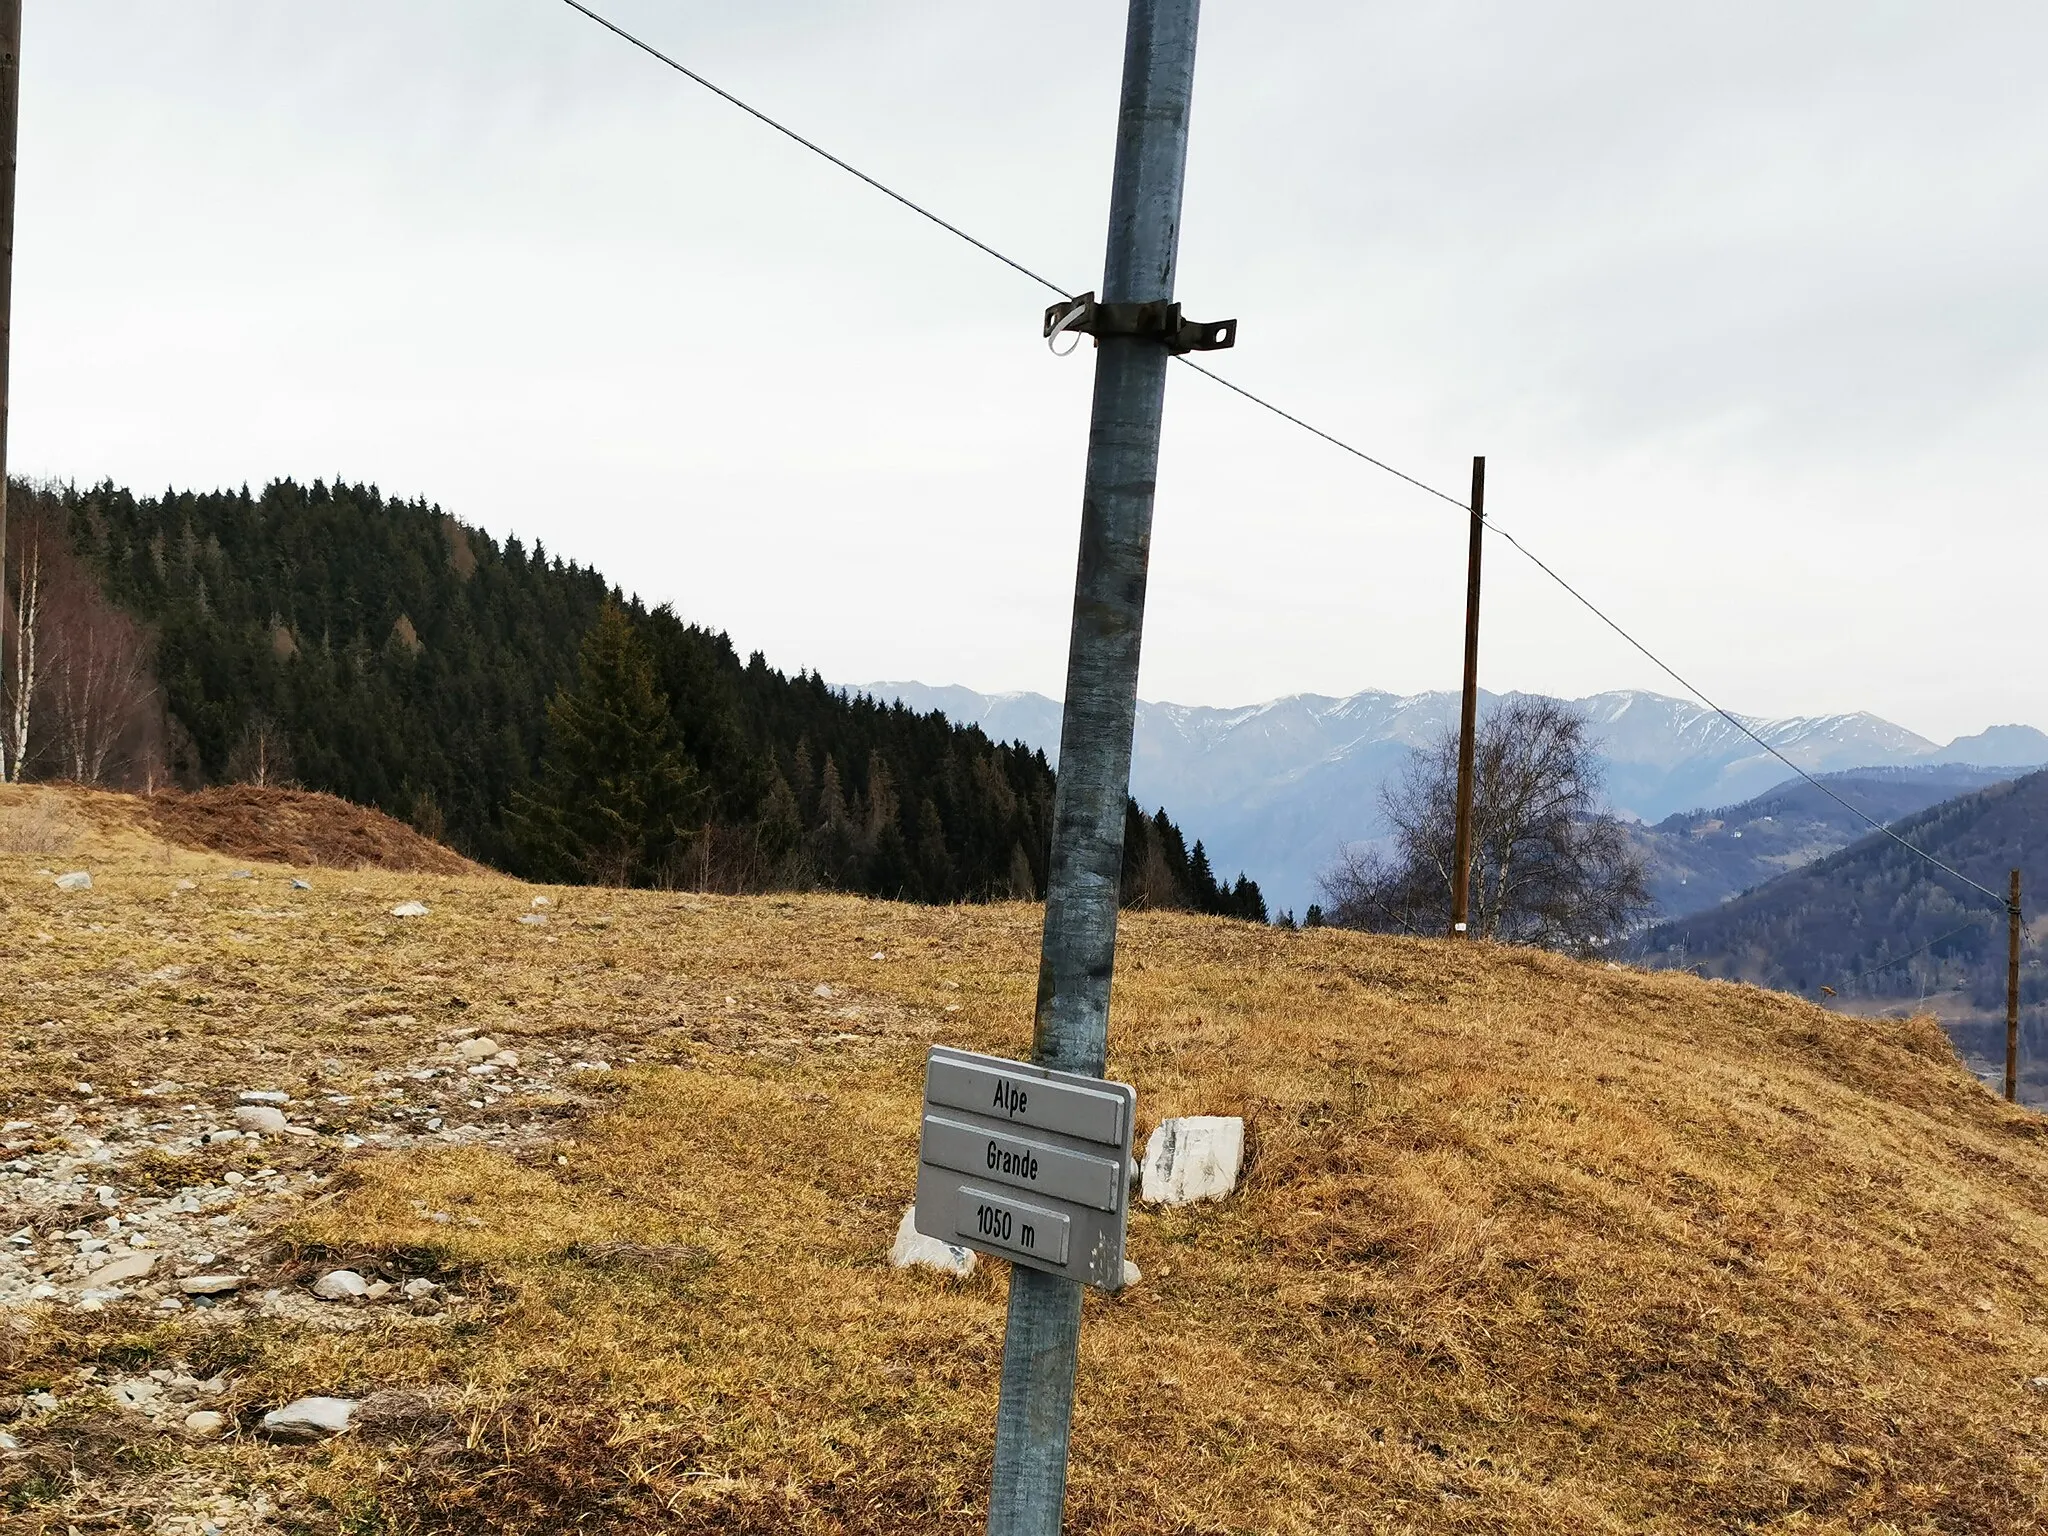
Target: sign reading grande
(1026, 1164)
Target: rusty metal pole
(1468, 720)
(2012, 992)
(1041, 1345)
(10, 120)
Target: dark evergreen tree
(617, 797)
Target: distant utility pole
(1137, 327)
(2012, 992)
(1461, 859)
(10, 119)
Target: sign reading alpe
(1026, 1164)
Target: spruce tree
(617, 795)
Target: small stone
(238, 874)
(309, 1419)
(77, 880)
(206, 1422)
(2037, 1384)
(120, 1272)
(821, 990)
(913, 1249)
(415, 1290)
(378, 1290)
(210, 1285)
(542, 901)
(301, 885)
(1132, 1274)
(135, 1396)
(505, 1059)
(231, 1177)
(261, 1119)
(1196, 1157)
(264, 1096)
(215, 1138)
(341, 1285)
(186, 885)
(534, 919)
(43, 1402)
(878, 955)
(476, 1048)
(410, 909)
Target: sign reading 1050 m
(1025, 1163)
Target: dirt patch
(295, 826)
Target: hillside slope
(386, 652)
(1525, 1245)
(1858, 920)
(1698, 859)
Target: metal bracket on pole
(1158, 318)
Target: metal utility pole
(10, 119)
(1461, 858)
(1137, 327)
(2012, 992)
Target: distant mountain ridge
(1280, 786)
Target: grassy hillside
(1525, 1245)
(1697, 859)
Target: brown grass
(296, 826)
(1525, 1246)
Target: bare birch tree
(32, 548)
(1549, 868)
(96, 679)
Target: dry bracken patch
(1524, 1245)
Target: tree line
(512, 704)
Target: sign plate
(1026, 1164)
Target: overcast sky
(1743, 303)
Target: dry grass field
(1525, 1245)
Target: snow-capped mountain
(1275, 789)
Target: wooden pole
(10, 116)
(2012, 992)
(1468, 720)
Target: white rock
(264, 1096)
(341, 1285)
(413, 1290)
(378, 1290)
(210, 1285)
(120, 1272)
(214, 1138)
(821, 990)
(77, 880)
(301, 885)
(912, 1249)
(406, 909)
(1197, 1157)
(206, 1422)
(505, 1059)
(310, 1418)
(1132, 1274)
(260, 1119)
(534, 919)
(476, 1048)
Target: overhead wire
(1914, 954)
(1329, 437)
